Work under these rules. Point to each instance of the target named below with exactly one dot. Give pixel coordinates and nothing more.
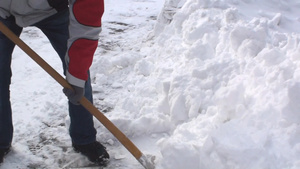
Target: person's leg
(6, 49)
(82, 129)
(82, 125)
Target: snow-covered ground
(200, 84)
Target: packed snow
(199, 84)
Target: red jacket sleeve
(84, 28)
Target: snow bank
(228, 88)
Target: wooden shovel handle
(84, 102)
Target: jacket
(84, 28)
(26, 12)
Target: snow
(197, 83)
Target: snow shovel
(145, 162)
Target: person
(72, 28)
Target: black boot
(95, 152)
(3, 152)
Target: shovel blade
(147, 161)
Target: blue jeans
(81, 129)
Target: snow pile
(225, 85)
(220, 80)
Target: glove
(59, 5)
(75, 95)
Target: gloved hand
(75, 95)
